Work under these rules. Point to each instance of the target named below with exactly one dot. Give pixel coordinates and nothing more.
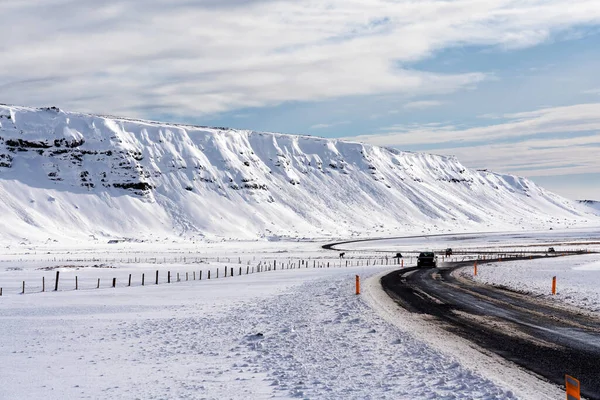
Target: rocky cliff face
(74, 175)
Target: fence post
(168, 276)
(209, 274)
(129, 283)
(225, 272)
(200, 274)
(143, 279)
(186, 276)
(56, 282)
(23, 292)
(43, 284)
(76, 283)
(156, 277)
(98, 285)
(114, 282)
(231, 272)
(247, 269)
(178, 277)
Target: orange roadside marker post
(357, 284)
(553, 285)
(475, 269)
(573, 389)
(402, 266)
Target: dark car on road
(448, 251)
(427, 259)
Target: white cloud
(570, 119)
(573, 148)
(323, 126)
(592, 91)
(539, 157)
(183, 57)
(422, 104)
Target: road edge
(522, 383)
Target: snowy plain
(281, 334)
(578, 278)
(499, 242)
(289, 333)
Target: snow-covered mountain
(591, 203)
(71, 175)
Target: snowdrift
(76, 176)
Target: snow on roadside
(578, 278)
(283, 334)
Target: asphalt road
(550, 340)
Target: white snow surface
(525, 241)
(591, 203)
(200, 340)
(577, 277)
(75, 177)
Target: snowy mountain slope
(74, 175)
(595, 205)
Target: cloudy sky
(512, 86)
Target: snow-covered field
(37, 264)
(527, 241)
(290, 333)
(578, 278)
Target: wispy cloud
(592, 91)
(323, 126)
(569, 119)
(195, 58)
(421, 105)
(518, 145)
(536, 157)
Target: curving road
(548, 339)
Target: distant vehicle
(398, 255)
(448, 251)
(427, 259)
(551, 250)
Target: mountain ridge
(72, 175)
